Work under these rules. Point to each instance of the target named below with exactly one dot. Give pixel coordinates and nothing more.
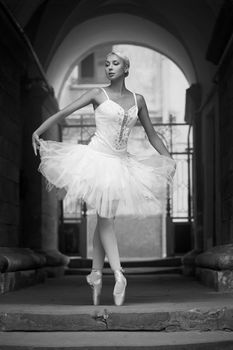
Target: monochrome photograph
(116, 174)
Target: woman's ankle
(97, 270)
(119, 269)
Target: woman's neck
(118, 86)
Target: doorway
(152, 235)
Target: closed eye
(114, 62)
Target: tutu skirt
(112, 183)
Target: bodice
(114, 124)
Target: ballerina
(103, 173)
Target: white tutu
(113, 184)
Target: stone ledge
(10, 281)
(105, 319)
(19, 259)
(54, 257)
(23, 267)
(216, 258)
(221, 281)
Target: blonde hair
(123, 57)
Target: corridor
(51, 52)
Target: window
(87, 67)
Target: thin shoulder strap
(135, 99)
(105, 93)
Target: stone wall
(28, 213)
(39, 208)
(214, 266)
(226, 146)
(12, 66)
(24, 103)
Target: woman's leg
(95, 277)
(98, 251)
(109, 242)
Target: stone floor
(159, 292)
(165, 303)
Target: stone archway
(132, 30)
(106, 29)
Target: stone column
(193, 99)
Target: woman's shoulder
(96, 91)
(140, 99)
(139, 96)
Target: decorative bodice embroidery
(114, 124)
(122, 135)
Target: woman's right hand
(35, 142)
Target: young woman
(102, 173)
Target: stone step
(116, 340)
(169, 302)
(129, 270)
(112, 318)
(77, 262)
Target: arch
(114, 29)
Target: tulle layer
(112, 184)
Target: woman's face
(114, 67)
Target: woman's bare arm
(82, 101)
(153, 137)
(91, 96)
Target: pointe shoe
(119, 288)
(94, 279)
